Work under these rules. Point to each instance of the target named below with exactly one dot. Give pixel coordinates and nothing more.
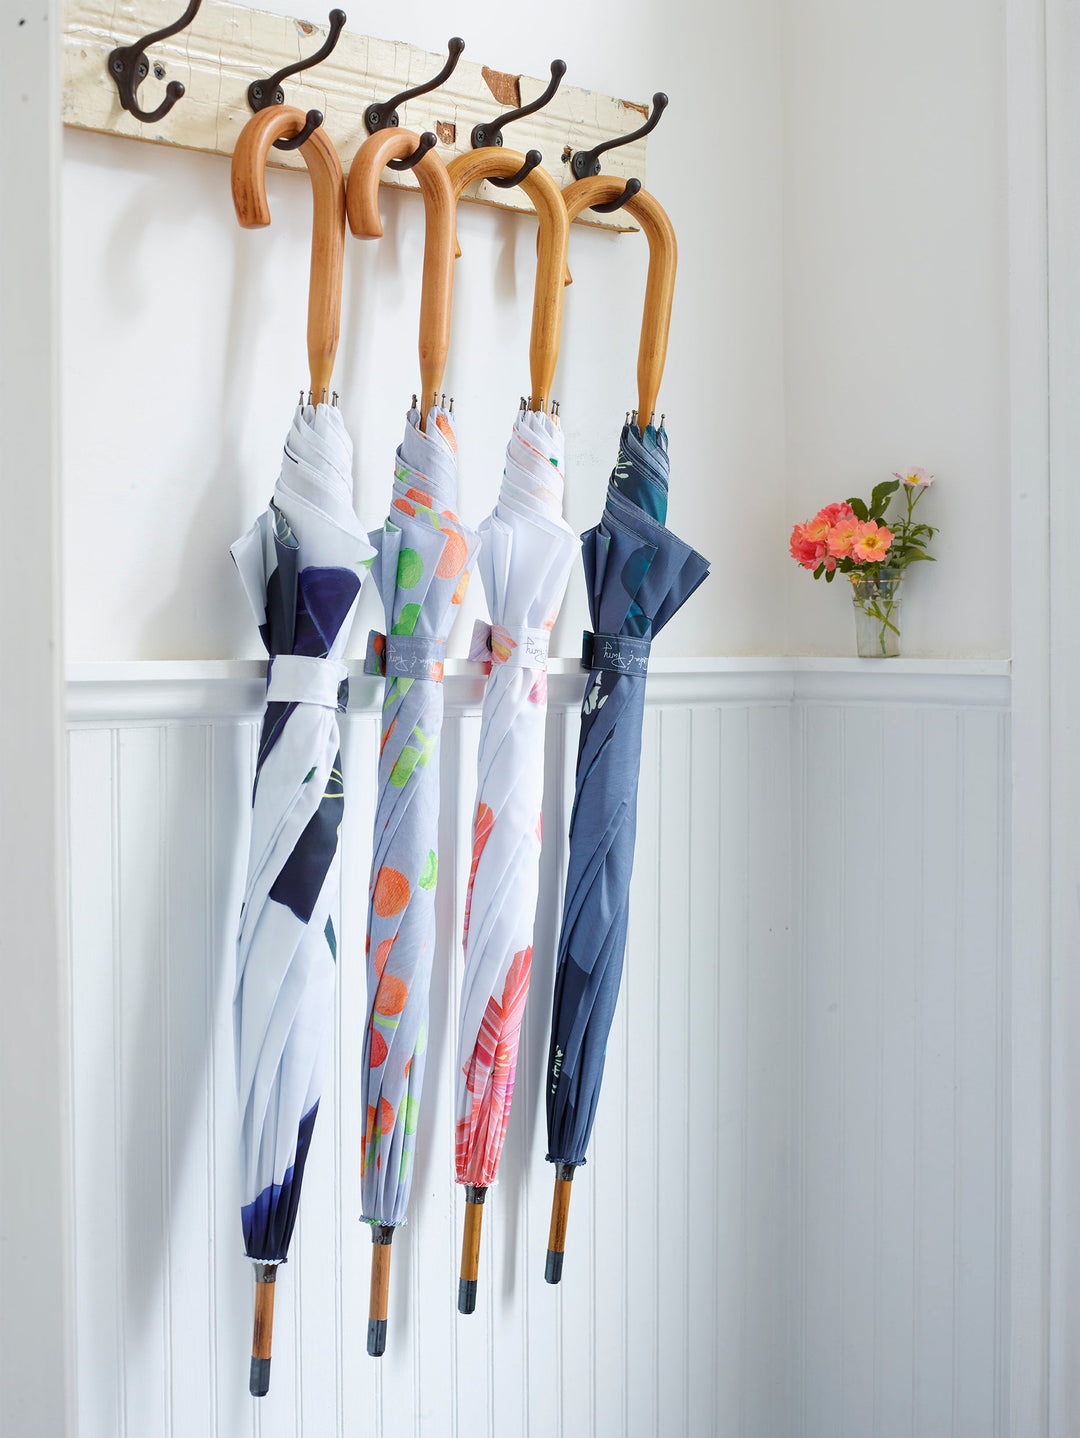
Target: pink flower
(914, 477)
(833, 513)
(871, 542)
(804, 550)
(842, 536)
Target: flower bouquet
(854, 539)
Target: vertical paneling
(791, 1219)
(899, 1212)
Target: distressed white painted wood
(832, 1254)
(227, 46)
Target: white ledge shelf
(160, 691)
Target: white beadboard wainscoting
(792, 1221)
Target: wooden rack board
(229, 45)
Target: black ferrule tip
(553, 1266)
(376, 1337)
(466, 1295)
(259, 1378)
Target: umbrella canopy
(527, 553)
(638, 574)
(424, 553)
(302, 564)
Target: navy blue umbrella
(638, 575)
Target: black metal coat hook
(427, 142)
(490, 134)
(385, 117)
(586, 163)
(532, 159)
(629, 191)
(262, 93)
(129, 67)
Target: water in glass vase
(876, 596)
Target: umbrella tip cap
(553, 1266)
(376, 1337)
(259, 1378)
(466, 1295)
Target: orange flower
(871, 542)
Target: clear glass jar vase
(877, 596)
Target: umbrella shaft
(560, 1213)
(470, 1247)
(263, 1332)
(379, 1302)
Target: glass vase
(877, 596)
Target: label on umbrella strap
(519, 648)
(621, 653)
(307, 679)
(405, 656)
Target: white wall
(896, 297)
(184, 339)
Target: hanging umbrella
(638, 574)
(302, 564)
(527, 554)
(423, 558)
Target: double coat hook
(385, 117)
(262, 93)
(129, 67)
(491, 133)
(586, 163)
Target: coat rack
(228, 46)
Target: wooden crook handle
(660, 285)
(437, 290)
(551, 255)
(327, 229)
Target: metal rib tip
(451, 404)
(334, 398)
(662, 418)
(301, 399)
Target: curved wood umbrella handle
(437, 289)
(551, 257)
(327, 229)
(660, 285)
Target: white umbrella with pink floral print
(526, 554)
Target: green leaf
(859, 508)
(882, 491)
(820, 570)
(830, 576)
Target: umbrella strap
(405, 656)
(307, 679)
(621, 653)
(517, 647)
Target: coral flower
(914, 477)
(871, 543)
(834, 513)
(804, 550)
(842, 537)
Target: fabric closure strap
(517, 648)
(405, 656)
(621, 653)
(307, 679)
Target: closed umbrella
(638, 575)
(302, 564)
(527, 553)
(423, 558)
